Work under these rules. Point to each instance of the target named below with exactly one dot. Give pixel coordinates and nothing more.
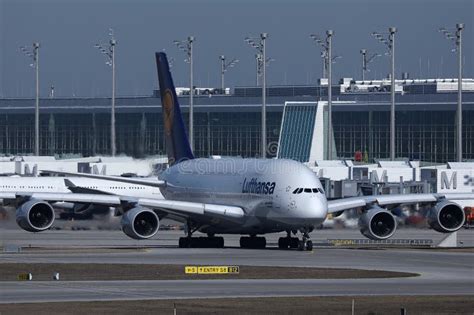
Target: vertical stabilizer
(177, 144)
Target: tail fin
(177, 144)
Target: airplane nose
(320, 208)
(316, 210)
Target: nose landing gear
(293, 242)
(305, 243)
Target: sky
(68, 29)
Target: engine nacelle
(140, 223)
(35, 216)
(377, 224)
(446, 217)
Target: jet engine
(377, 224)
(35, 216)
(446, 217)
(140, 223)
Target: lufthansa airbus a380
(250, 197)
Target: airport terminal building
(231, 124)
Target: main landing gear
(253, 242)
(201, 242)
(293, 242)
(211, 241)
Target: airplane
(248, 197)
(28, 185)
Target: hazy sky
(68, 29)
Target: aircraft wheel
(309, 245)
(183, 242)
(301, 245)
(220, 242)
(261, 242)
(283, 243)
(294, 242)
(244, 242)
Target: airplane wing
(391, 201)
(181, 209)
(138, 181)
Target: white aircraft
(29, 185)
(234, 196)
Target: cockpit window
(308, 190)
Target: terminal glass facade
(231, 125)
(420, 135)
(297, 131)
(138, 134)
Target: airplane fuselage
(266, 189)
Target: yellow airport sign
(25, 276)
(210, 270)
(190, 269)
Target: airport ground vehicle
(469, 217)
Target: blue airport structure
(230, 124)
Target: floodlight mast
(390, 43)
(457, 38)
(329, 34)
(366, 61)
(109, 52)
(224, 67)
(328, 60)
(36, 47)
(186, 46)
(262, 61)
(34, 54)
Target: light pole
(324, 54)
(390, 43)
(328, 60)
(224, 67)
(187, 47)
(259, 66)
(457, 38)
(109, 52)
(259, 45)
(366, 61)
(34, 54)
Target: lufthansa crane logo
(168, 110)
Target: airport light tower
(34, 54)
(457, 38)
(328, 60)
(224, 66)
(259, 45)
(108, 50)
(366, 60)
(259, 66)
(186, 46)
(390, 43)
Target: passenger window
(307, 190)
(315, 190)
